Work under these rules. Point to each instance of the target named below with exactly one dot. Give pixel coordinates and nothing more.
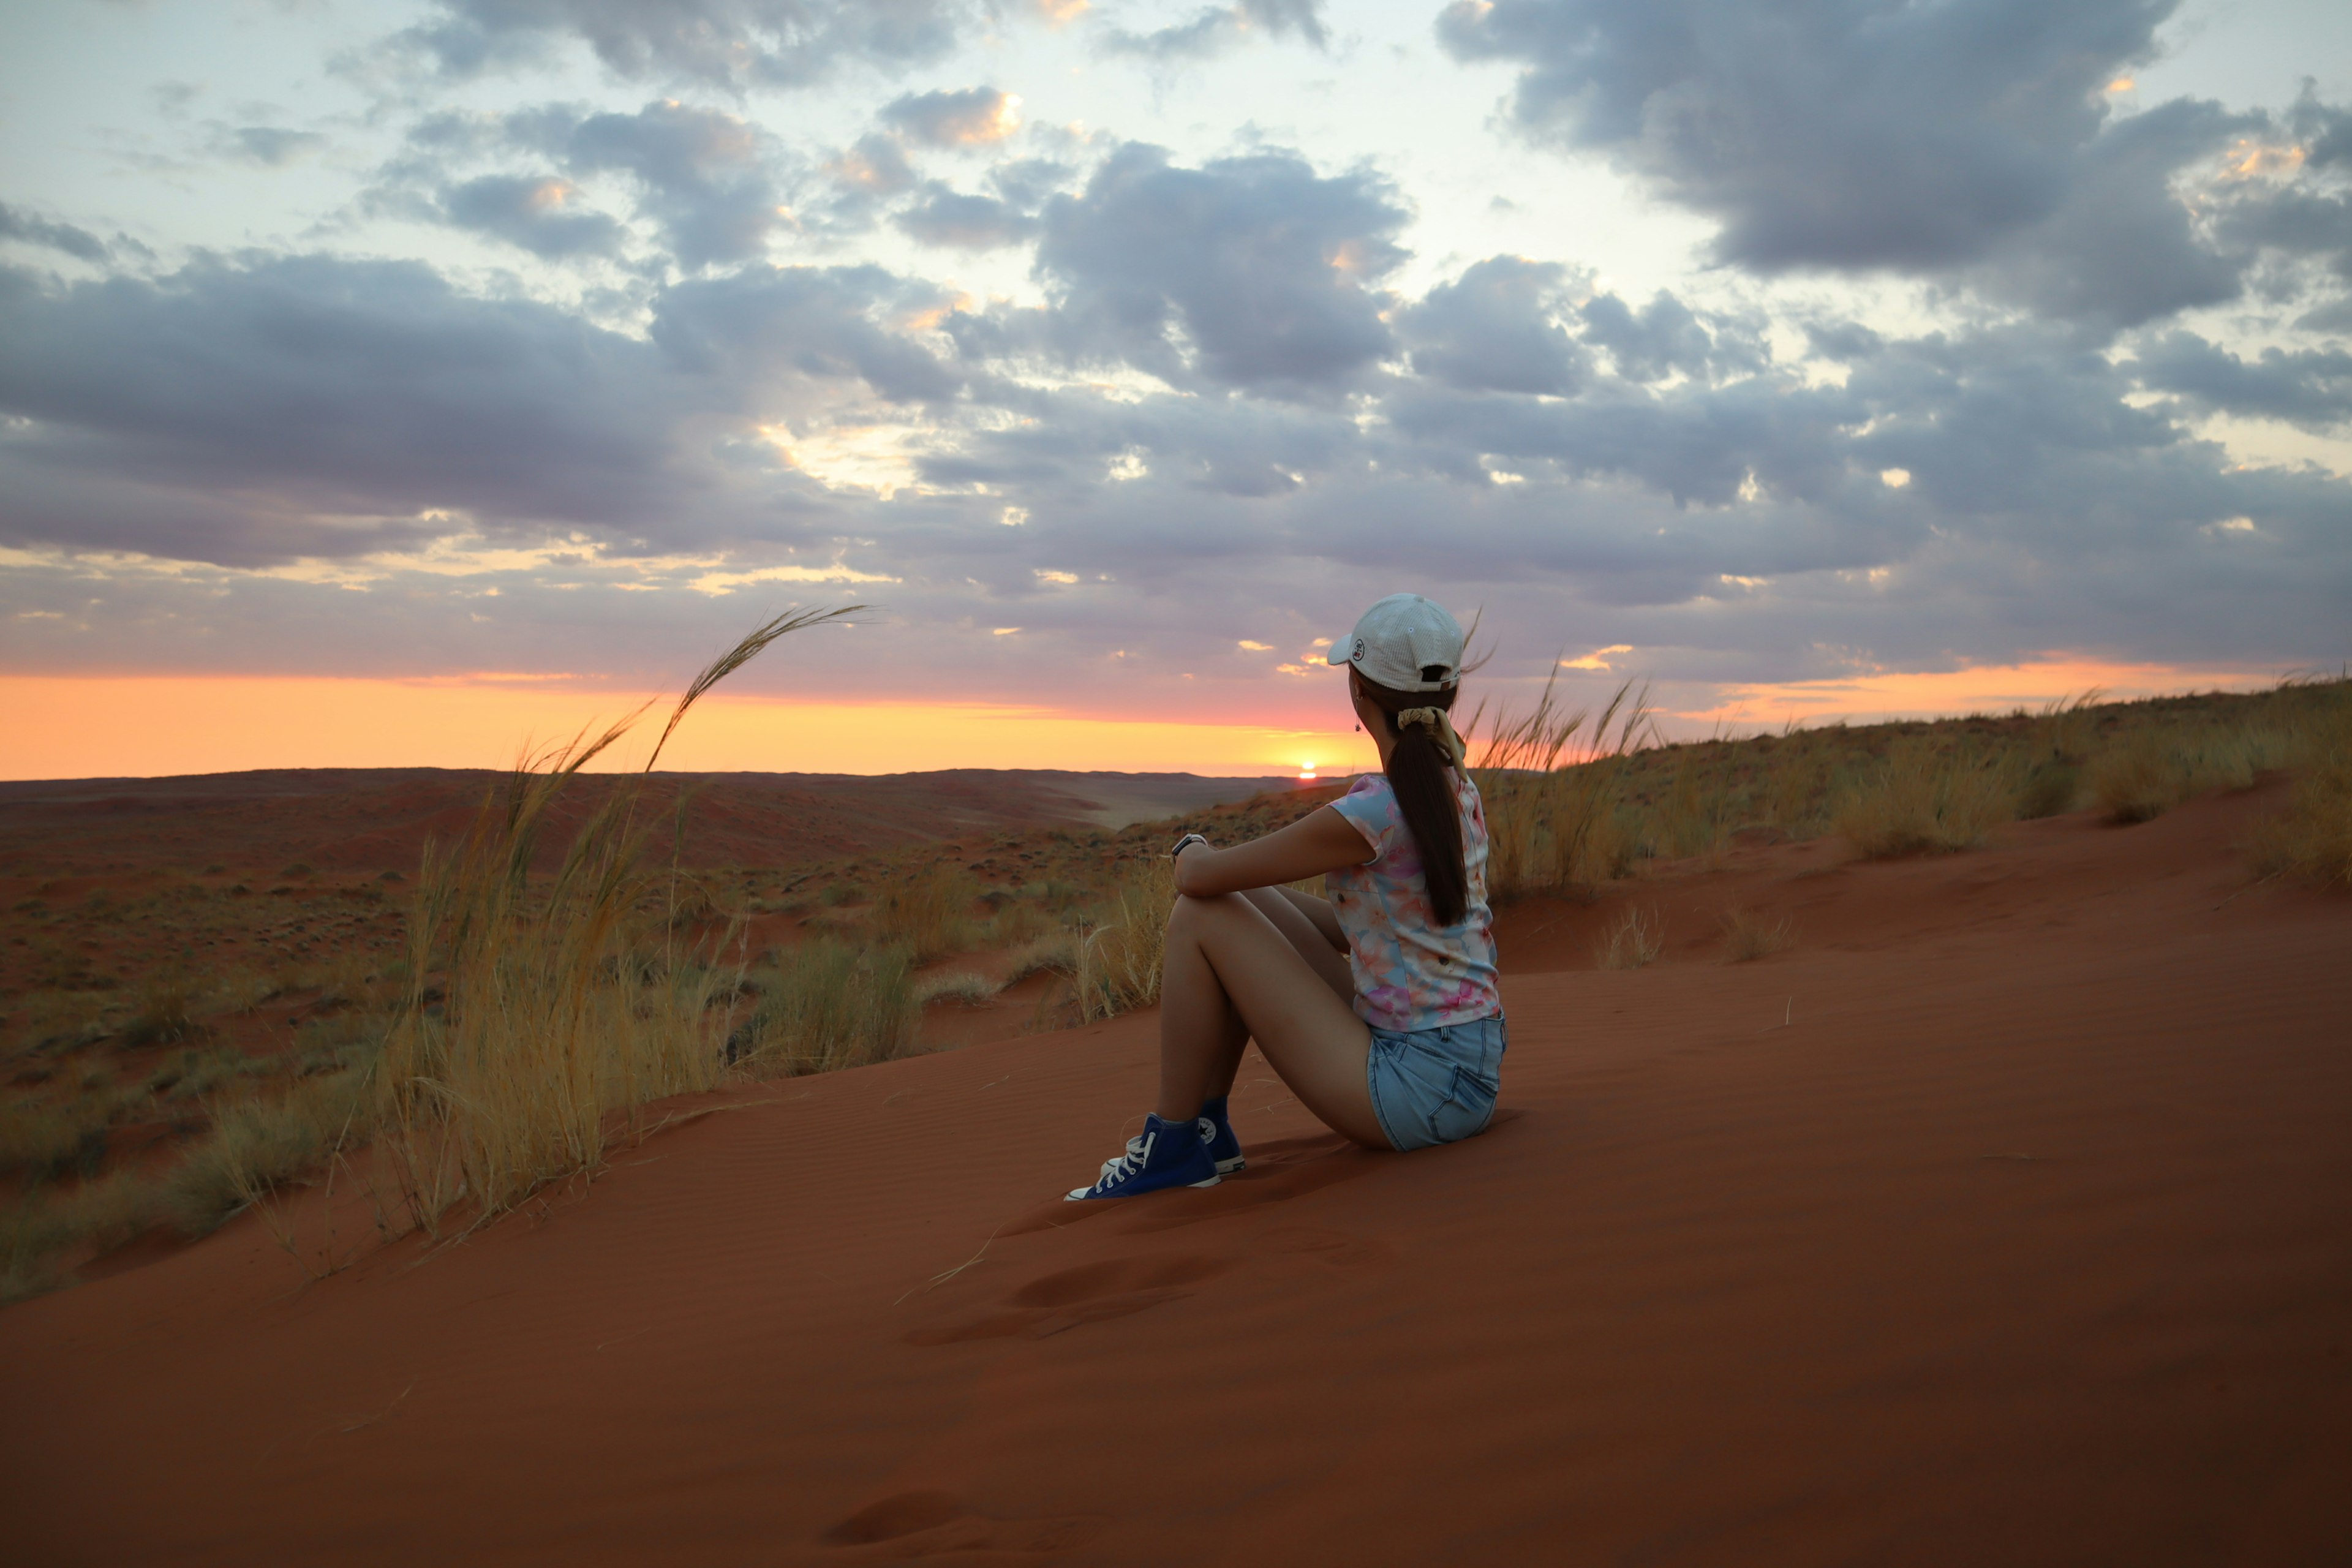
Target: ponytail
(1417, 773)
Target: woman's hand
(1318, 842)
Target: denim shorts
(1434, 1086)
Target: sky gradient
(388, 383)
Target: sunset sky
(392, 383)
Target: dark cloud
(1877, 133)
(1214, 29)
(703, 175)
(1968, 142)
(965, 222)
(973, 117)
(1498, 329)
(30, 229)
(733, 43)
(541, 213)
(766, 324)
(333, 404)
(1650, 344)
(1251, 272)
(2124, 248)
(2311, 388)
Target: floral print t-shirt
(1412, 973)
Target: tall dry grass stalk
(1551, 814)
(562, 1002)
(1118, 958)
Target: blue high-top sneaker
(1217, 1132)
(1164, 1154)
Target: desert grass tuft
(563, 1002)
(954, 985)
(1634, 939)
(828, 1005)
(1552, 823)
(2311, 837)
(255, 1146)
(930, 913)
(1118, 961)
(45, 1226)
(1921, 801)
(1749, 935)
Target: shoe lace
(1125, 1165)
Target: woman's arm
(1320, 841)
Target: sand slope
(2007, 1219)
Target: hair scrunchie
(1435, 719)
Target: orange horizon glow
(148, 726)
(1990, 688)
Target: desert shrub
(930, 913)
(2138, 780)
(2311, 837)
(1118, 959)
(828, 1005)
(1921, 801)
(2051, 788)
(44, 1224)
(164, 1012)
(1749, 935)
(52, 1135)
(1633, 938)
(256, 1145)
(197, 1074)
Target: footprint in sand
(933, 1524)
(1089, 1293)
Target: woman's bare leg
(1289, 914)
(1232, 973)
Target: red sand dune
(2007, 1219)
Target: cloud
(29, 229)
(974, 117)
(1498, 329)
(1974, 143)
(1665, 336)
(965, 222)
(702, 174)
(1250, 272)
(314, 407)
(2311, 388)
(767, 328)
(731, 43)
(1214, 29)
(265, 146)
(1871, 134)
(538, 213)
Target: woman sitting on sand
(1399, 1045)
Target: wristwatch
(1183, 844)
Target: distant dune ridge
(377, 818)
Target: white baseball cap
(1405, 643)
